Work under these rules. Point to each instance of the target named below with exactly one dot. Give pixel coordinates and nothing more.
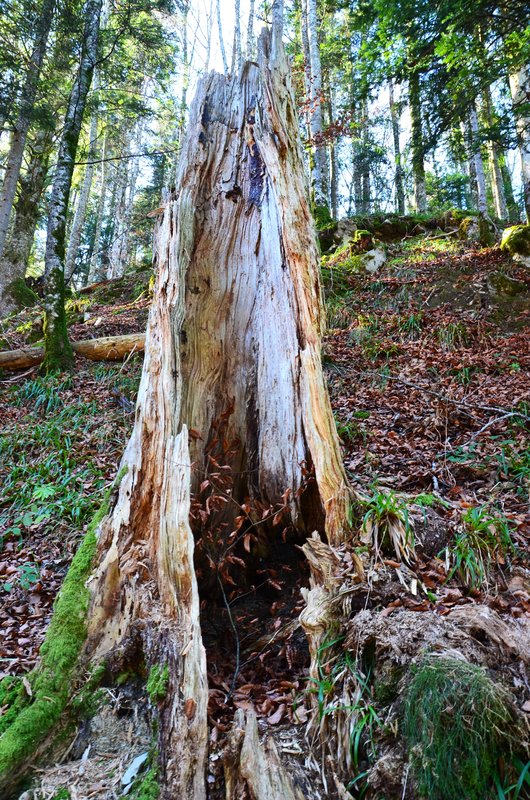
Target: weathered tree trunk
(418, 151)
(27, 101)
(115, 264)
(57, 347)
(233, 334)
(398, 174)
(520, 89)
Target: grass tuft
(459, 727)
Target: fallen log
(107, 348)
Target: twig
(441, 396)
(238, 646)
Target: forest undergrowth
(427, 363)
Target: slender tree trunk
(251, 39)
(494, 159)
(57, 347)
(365, 171)
(27, 101)
(94, 271)
(478, 162)
(398, 174)
(320, 171)
(221, 39)
(513, 208)
(236, 49)
(418, 153)
(209, 27)
(307, 68)
(82, 203)
(520, 89)
(470, 163)
(115, 266)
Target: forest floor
(428, 369)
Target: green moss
(459, 726)
(516, 240)
(157, 682)
(147, 788)
(62, 794)
(58, 353)
(13, 698)
(21, 294)
(52, 681)
(477, 228)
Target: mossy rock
(516, 241)
(459, 727)
(503, 284)
(363, 240)
(477, 229)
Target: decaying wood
(106, 348)
(254, 766)
(233, 334)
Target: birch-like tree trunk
(494, 160)
(19, 135)
(95, 272)
(84, 195)
(482, 200)
(320, 170)
(520, 89)
(398, 173)
(418, 150)
(236, 49)
(251, 39)
(220, 32)
(57, 347)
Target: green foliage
(43, 482)
(482, 541)
(147, 787)
(452, 335)
(157, 682)
(459, 726)
(386, 525)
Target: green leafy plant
(386, 525)
(459, 726)
(483, 540)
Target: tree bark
(107, 348)
(494, 159)
(220, 32)
(233, 334)
(95, 269)
(27, 101)
(478, 162)
(57, 347)
(418, 152)
(82, 203)
(14, 263)
(320, 171)
(398, 174)
(520, 89)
